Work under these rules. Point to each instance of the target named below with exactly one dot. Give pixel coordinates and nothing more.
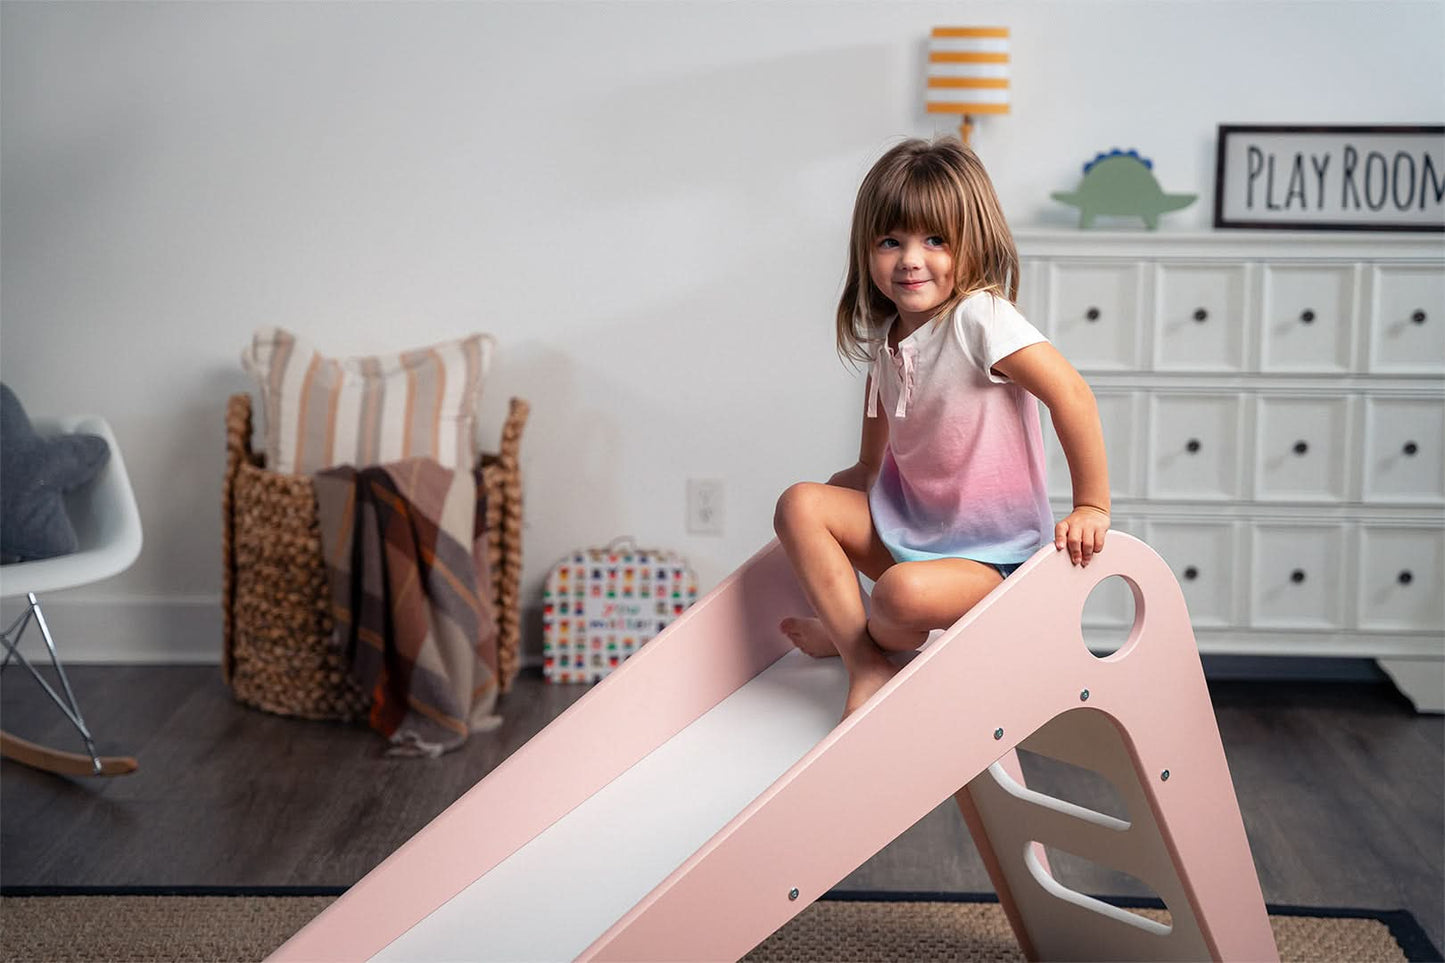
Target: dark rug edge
(1406, 930)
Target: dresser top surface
(1141, 243)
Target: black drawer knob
(1410, 448)
(1405, 577)
(1297, 576)
(1193, 446)
(1191, 573)
(1092, 314)
(1307, 316)
(1201, 315)
(1301, 447)
(1418, 317)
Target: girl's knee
(898, 596)
(797, 507)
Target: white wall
(646, 203)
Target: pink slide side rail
(714, 648)
(1013, 663)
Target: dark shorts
(1005, 569)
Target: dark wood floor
(1340, 784)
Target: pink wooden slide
(704, 793)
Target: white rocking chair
(108, 526)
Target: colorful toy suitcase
(601, 604)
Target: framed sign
(1382, 178)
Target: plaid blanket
(406, 559)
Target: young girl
(948, 496)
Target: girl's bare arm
(1046, 374)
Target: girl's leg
(828, 533)
(912, 598)
(807, 509)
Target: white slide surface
(554, 896)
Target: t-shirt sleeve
(990, 329)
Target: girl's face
(914, 271)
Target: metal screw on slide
(793, 893)
(998, 733)
(1164, 776)
(1084, 696)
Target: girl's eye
(936, 241)
(887, 242)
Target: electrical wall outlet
(705, 506)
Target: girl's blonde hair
(939, 188)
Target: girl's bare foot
(810, 636)
(866, 680)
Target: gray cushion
(35, 474)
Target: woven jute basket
(277, 619)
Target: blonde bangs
(921, 200)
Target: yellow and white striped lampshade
(968, 70)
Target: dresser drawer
(1402, 571)
(1303, 449)
(1193, 452)
(1203, 558)
(1094, 314)
(1403, 460)
(1296, 576)
(1407, 319)
(1200, 320)
(1118, 415)
(1308, 318)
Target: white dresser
(1274, 410)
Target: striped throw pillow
(322, 412)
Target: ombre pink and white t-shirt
(963, 474)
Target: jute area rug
(219, 929)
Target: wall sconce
(968, 73)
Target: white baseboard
(1421, 680)
(157, 631)
(185, 630)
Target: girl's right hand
(856, 477)
(1082, 533)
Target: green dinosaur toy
(1121, 183)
